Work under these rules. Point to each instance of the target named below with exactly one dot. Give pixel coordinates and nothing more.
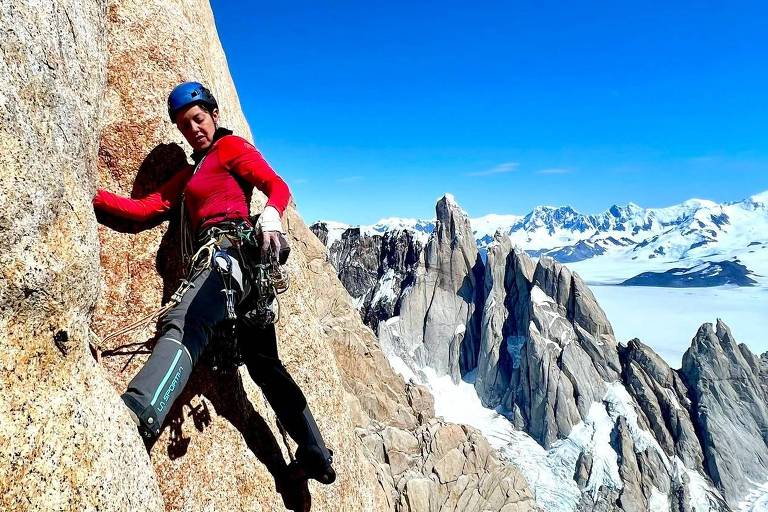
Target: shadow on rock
(226, 394)
(157, 167)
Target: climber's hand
(270, 245)
(270, 227)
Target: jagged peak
(449, 198)
(719, 331)
(704, 329)
(627, 209)
(448, 201)
(547, 209)
(761, 198)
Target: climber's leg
(185, 332)
(259, 348)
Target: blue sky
(374, 109)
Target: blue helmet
(187, 94)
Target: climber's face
(198, 126)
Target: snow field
(667, 319)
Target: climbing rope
(202, 260)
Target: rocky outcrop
(356, 258)
(399, 259)
(66, 441)
(320, 230)
(375, 269)
(441, 466)
(544, 357)
(727, 386)
(662, 397)
(438, 325)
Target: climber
(215, 195)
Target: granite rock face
(66, 441)
(729, 409)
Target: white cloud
(502, 168)
(555, 170)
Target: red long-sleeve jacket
(213, 193)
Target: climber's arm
(151, 205)
(243, 159)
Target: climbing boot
(311, 462)
(148, 427)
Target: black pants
(184, 334)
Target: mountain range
(514, 343)
(623, 241)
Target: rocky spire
(662, 397)
(438, 321)
(727, 385)
(547, 348)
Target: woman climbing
(215, 194)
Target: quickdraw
(268, 280)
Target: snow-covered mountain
(521, 349)
(421, 229)
(623, 241)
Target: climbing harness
(259, 287)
